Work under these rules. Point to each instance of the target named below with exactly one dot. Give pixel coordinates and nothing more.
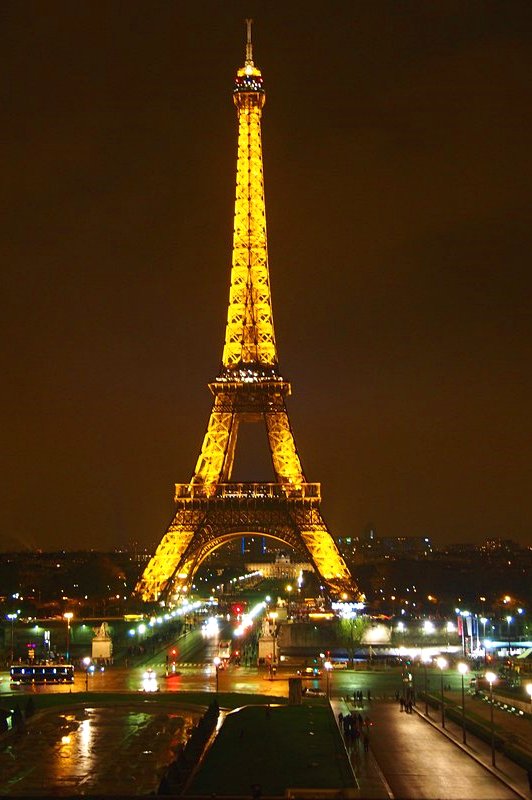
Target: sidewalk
(410, 758)
(510, 773)
(367, 775)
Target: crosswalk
(179, 664)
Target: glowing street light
(462, 669)
(68, 616)
(509, 620)
(426, 660)
(217, 661)
(491, 678)
(87, 663)
(328, 667)
(12, 618)
(289, 591)
(528, 688)
(442, 664)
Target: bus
(49, 673)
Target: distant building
(282, 567)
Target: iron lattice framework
(211, 510)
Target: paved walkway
(506, 769)
(410, 758)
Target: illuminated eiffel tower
(211, 510)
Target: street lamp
(328, 667)
(87, 662)
(491, 678)
(12, 618)
(426, 660)
(462, 669)
(442, 663)
(529, 691)
(68, 616)
(289, 590)
(217, 661)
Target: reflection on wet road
(92, 751)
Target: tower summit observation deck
(212, 509)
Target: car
(309, 672)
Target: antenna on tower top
(249, 46)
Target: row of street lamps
(463, 669)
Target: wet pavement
(409, 758)
(108, 751)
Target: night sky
(397, 150)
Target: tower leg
(161, 569)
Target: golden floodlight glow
(211, 510)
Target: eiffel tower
(211, 510)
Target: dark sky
(397, 148)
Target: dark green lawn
(287, 746)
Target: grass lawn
(285, 746)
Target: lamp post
(68, 616)
(426, 660)
(328, 667)
(288, 590)
(87, 662)
(529, 691)
(442, 663)
(12, 618)
(509, 620)
(217, 661)
(462, 669)
(491, 678)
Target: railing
(256, 491)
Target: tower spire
(249, 46)
(249, 335)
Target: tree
(351, 631)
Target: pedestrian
(340, 718)
(369, 694)
(401, 703)
(355, 696)
(360, 697)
